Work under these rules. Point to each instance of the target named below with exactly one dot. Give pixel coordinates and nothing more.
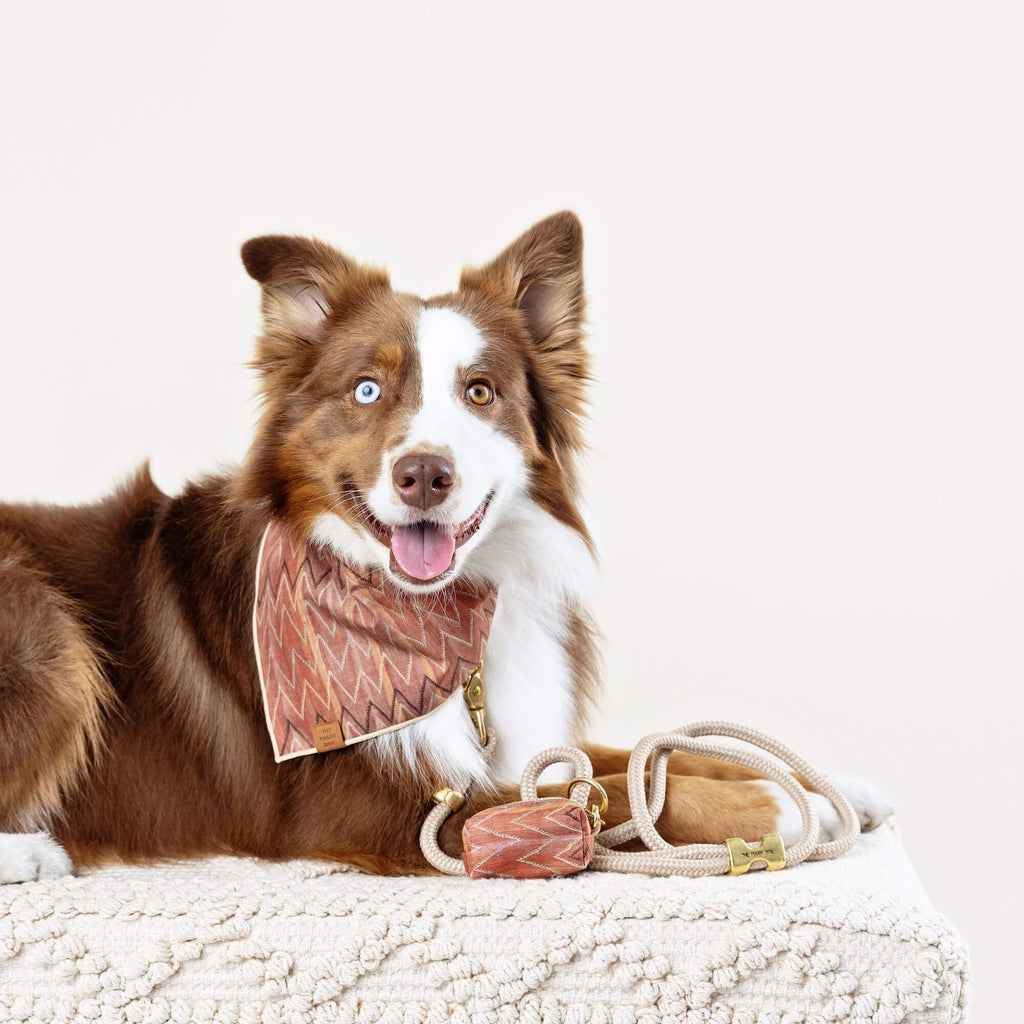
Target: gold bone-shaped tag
(771, 851)
(327, 736)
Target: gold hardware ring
(592, 782)
(594, 812)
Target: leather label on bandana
(327, 736)
(343, 655)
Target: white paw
(26, 857)
(870, 803)
(791, 826)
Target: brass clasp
(451, 798)
(771, 851)
(473, 691)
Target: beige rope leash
(445, 802)
(646, 805)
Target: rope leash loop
(573, 756)
(693, 860)
(818, 781)
(667, 742)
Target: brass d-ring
(593, 812)
(592, 782)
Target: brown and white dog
(432, 440)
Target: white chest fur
(530, 692)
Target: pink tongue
(423, 551)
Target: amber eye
(480, 393)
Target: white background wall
(805, 257)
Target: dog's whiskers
(349, 492)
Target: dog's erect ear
(293, 273)
(304, 281)
(541, 273)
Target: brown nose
(422, 480)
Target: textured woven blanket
(226, 940)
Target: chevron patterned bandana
(343, 655)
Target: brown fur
(130, 714)
(52, 690)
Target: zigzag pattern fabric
(343, 655)
(528, 839)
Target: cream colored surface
(804, 230)
(230, 941)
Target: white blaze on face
(539, 565)
(484, 459)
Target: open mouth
(424, 551)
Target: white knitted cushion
(237, 940)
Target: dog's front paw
(870, 803)
(27, 857)
(790, 825)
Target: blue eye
(367, 391)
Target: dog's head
(404, 433)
